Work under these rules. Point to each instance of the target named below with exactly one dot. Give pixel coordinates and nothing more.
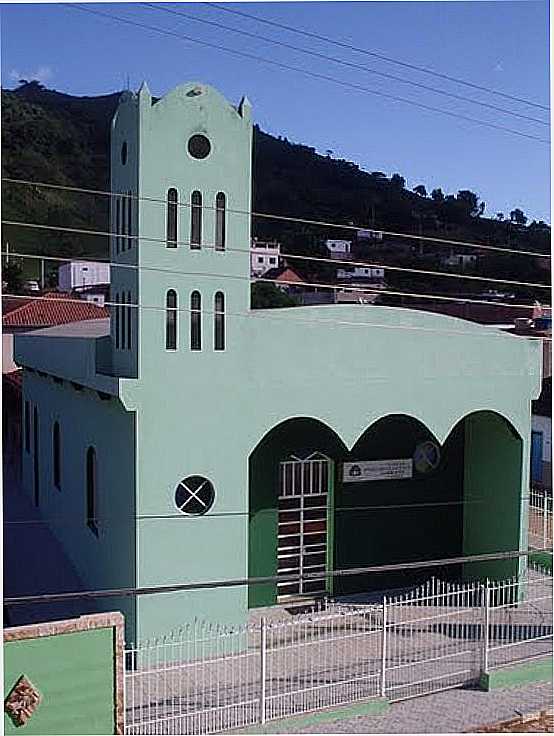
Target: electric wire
(285, 218)
(402, 269)
(365, 289)
(343, 62)
(374, 54)
(268, 314)
(300, 70)
(285, 577)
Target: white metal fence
(540, 519)
(207, 679)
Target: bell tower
(180, 224)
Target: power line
(315, 75)
(376, 291)
(402, 269)
(284, 218)
(181, 587)
(342, 62)
(267, 314)
(367, 52)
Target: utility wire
(365, 289)
(300, 70)
(180, 587)
(342, 62)
(374, 54)
(402, 269)
(268, 314)
(271, 216)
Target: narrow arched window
(27, 426)
(117, 223)
(129, 219)
(220, 221)
(129, 320)
(56, 456)
(195, 321)
(219, 321)
(91, 490)
(171, 320)
(123, 308)
(172, 210)
(117, 321)
(195, 220)
(124, 204)
(36, 456)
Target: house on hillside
(264, 255)
(199, 440)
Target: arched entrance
(291, 490)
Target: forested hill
(53, 137)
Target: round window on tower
(199, 146)
(124, 153)
(194, 495)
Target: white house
(461, 260)
(365, 236)
(339, 248)
(80, 274)
(264, 256)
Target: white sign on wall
(377, 470)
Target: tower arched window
(123, 309)
(220, 221)
(124, 205)
(195, 321)
(195, 220)
(117, 321)
(129, 219)
(171, 320)
(56, 456)
(219, 321)
(91, 490)
(172, 213)
(129, 320)
(117, 223)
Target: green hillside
(53, 137)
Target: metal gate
(433, 639)
(303, 526)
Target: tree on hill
(420, 189)
(518, 217)
(264, 295)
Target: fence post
(544, 519)
(486, 623)
(263, 667)
(384, 650)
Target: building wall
(107, 560)
(8, 363)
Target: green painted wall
(493, 488)
(106, 560)
(75, 675)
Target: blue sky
(501, 45)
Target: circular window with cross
(195, 495)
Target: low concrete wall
(539, 670)
(65, 677)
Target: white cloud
(41, 74)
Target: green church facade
(193, 403)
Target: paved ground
(451, 711)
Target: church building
(190, 439)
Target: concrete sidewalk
(450, 711)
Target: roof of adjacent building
(50, 310)
(84, 328)
(282, 273)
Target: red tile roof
(50, 310)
